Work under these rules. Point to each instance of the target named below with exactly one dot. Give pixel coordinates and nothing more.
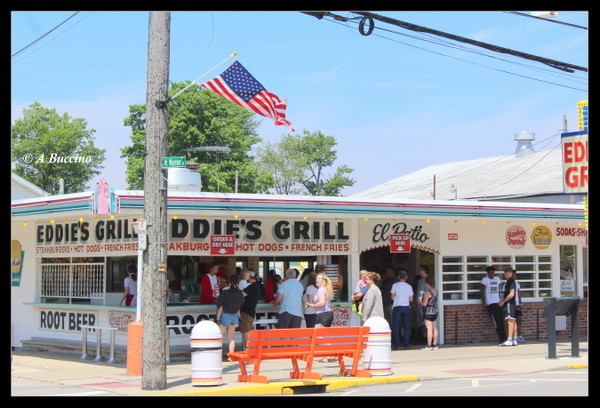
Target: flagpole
(200, 77)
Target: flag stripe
(240, 87)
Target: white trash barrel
(207, 353)
(377, 356)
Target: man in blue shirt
(289, 296)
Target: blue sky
(396, 101)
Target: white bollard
(377, 356)
(207, 351)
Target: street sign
(142, 240)
(173, 162)
(400, 243)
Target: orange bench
(303, 344)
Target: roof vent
(184, 179)
(524, 145)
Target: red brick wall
(465, 324)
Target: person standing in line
(270, 287)
(304, 278)
(429, 301)
(130, 286)
(509, 306)
(229, 302)
(373, 300)
(386, 287)
(210, 286)
(490, 297)
(252, 293)
(320, 301)
(310, 313)
(421, 326)
(519, 311)
(289, 296)
(402, 295)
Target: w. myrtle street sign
(173, 162)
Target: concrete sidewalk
(88, 377)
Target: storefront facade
(69, 264)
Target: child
(359, 294)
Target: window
(72, 279)
(461, 275)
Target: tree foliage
(298, 164)
(47, 147)
(199, 118)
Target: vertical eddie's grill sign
(575, 159)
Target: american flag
(239, 86)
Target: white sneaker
(427, 348)
(514, 341)
(507, 343)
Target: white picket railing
(73, 281)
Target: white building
(524, 176)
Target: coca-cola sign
(341, 316)
(120, 320)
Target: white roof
(22, 188)
(479, 179)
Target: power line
(545, 19)
(437, 41)
(43, 36)
(578, 80)
(413, 27)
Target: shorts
(246, 322)
(510, 311)
(324, 318)
(430, 317)
(229, 319)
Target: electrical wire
(546, 19)
(425, 185)
(344, 21)
(43, 36)
(413, 27)
(562, 75)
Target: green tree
(298, 164)
(284, 163)
(47, 147)
(199, 118)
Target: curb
(295, 387)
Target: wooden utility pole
(154, 369)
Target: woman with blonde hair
(324, 295)
(321, 301)
(373, 300)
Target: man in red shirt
(209, 286)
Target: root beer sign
(197, 236)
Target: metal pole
(112, 347)
(98, 344)
(84, 343)
(551, 325)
